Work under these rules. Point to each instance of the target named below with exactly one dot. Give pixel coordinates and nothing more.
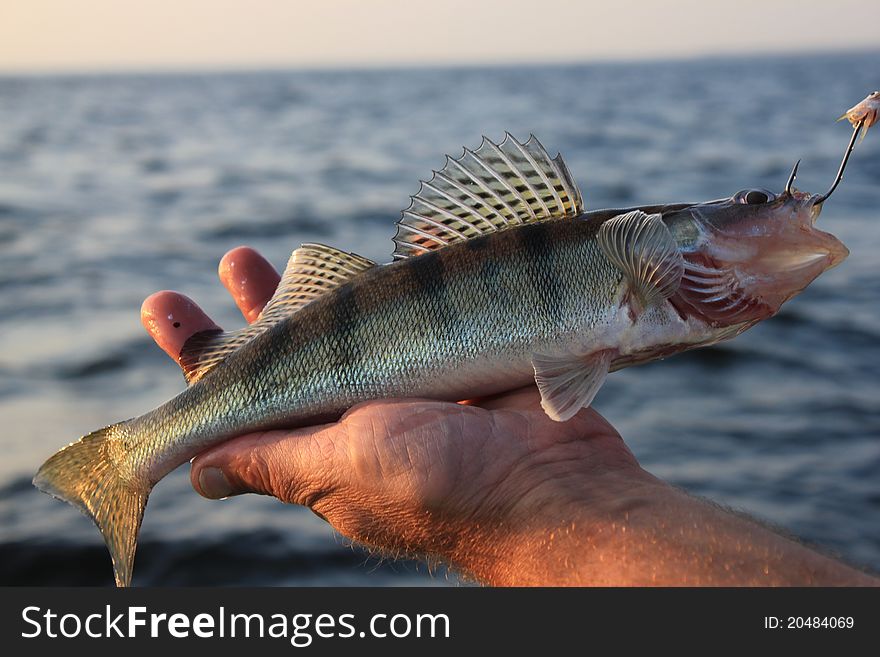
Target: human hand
(463, 483)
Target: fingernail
(214, 483)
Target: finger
(250, 279)
(294, 466)
(172, 318)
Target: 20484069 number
(809, 622)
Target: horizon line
(278, 67)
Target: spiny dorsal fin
(642, 248)
(487, 190)
(313, 270)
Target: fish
(499, 279)
(864, 113)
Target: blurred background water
(112, 187)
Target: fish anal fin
(568, 382)
(492, 188)
(642, 248)
(312, 271)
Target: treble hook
(849, 150)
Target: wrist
(559, 504)
(586, 542)
(631, 529)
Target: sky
(111, 35)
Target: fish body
(483, 308)
(500, 279)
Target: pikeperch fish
(499, 278)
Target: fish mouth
(809, 248)
(794, 261)
(837, 251)
(823, 245)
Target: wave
(254, 559)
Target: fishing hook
(788, 185)
(849, 150)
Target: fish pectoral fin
(642, 248)
(312, 271)
(493, 188)
(568, 382)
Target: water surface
(114, 187)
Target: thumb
(294, 466)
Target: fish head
(748, 254)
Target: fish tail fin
(86, 474)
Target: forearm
(641, 532)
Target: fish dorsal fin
(642, 248)
(490, 189)
(312, 271)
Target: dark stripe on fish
(491, 273)
(428, 274)
(346, 315)
(541, 268)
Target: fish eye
(754, 197)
